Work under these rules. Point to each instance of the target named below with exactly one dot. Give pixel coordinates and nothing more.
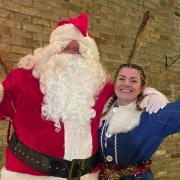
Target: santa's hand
(153, 100)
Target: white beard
(70, 84)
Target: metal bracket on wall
(173, 60)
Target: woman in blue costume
(129, 136)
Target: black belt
(50, 165)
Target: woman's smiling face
(127, 85)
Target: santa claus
(54, 100)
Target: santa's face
(69, 84)
(71, 48)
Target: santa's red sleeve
(8, 95)
(106, 92)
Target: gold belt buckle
(80, 163)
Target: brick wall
(26, 25)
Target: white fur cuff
(1, 92)
(10, 175)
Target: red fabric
(22, 103)
(81, 22)
(104, 95)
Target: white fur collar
(123, 119)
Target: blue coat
(139, 144)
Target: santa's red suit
(22, 96)
(22, 103)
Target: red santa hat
(70, 29)
(75, 29)
(81, 22)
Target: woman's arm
(168, 119)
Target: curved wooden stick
(4, 66)
(144, 24)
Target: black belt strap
(50, 165)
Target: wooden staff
(142, 27)
(3, 65)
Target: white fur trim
(10, 175)
(67, 32)
(123, 119)
(78, 141)
(1, 92)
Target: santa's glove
(153, 100)
(26, 62)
